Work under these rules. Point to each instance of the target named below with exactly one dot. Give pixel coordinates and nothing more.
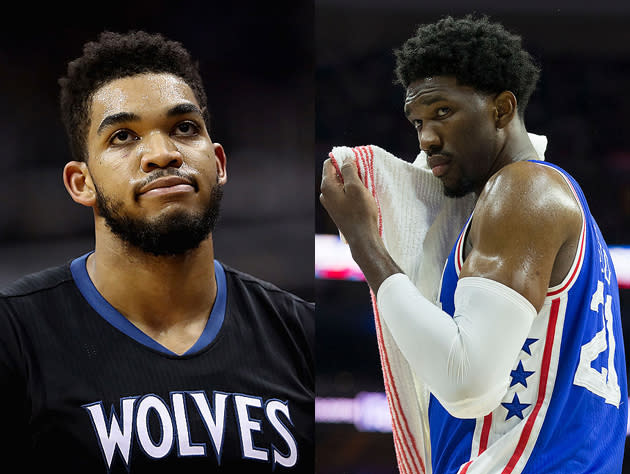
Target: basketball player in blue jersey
(148, 354)
(523, 353)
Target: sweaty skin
(140, 125)
(526, 222)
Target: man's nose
(159, 151)
(429, 139)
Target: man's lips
(438, 164)
(165, 185)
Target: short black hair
(477, 52)
(114, 56)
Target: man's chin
(460, 189)
(171, 233)
(456, 192)
(174, 230)
(178, 238)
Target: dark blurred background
(257, 63)
(581, 105)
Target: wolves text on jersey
(118, 430)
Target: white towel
(419, 226)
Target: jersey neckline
(104, 309)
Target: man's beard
(168, 235)
(464, 186)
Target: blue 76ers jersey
(565, 410)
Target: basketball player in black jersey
(147, 354)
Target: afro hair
(478, 53)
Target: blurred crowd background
(581, 105)
(257, 63)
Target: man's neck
(160, 294)
(516, 147)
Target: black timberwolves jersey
(83, 390)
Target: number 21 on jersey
(602, 382)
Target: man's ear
(78, 182)
(504, 108)
(221, 160)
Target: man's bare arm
(526, 225)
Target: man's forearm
(374, 260)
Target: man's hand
(355, 213)
(349, 203)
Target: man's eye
(442, 111)
(122, 137)
(417, 123)
(186, 128)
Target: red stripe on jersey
(577, 266)
(458, 253)
(573, 276)
(546, 362)
(483, 442)
(485, 432)
(459, 248)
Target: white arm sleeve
(465, 360)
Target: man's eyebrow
(426, 100)
(183, 109)
(121, 117)
(114, 119)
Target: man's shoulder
(526, 186)
(264, 297)
(36, 295)
(37, 282)
(531, 203)
(526, 172)
(254, 284)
